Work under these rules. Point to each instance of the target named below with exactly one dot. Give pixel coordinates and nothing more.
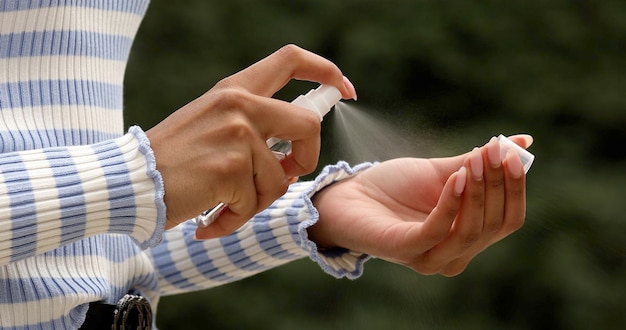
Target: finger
(514, 213)
(494, 190)
(270, 74)
(523, 140)
(494, 208)
(437, 225)
(304, 157)
(439, 222)
(266, 183)
(468, 225)
(515, 189)
(270, 179)
(286, 121)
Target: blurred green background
(445, 76)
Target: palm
(384, 203)
(411, 212)
(409, 188)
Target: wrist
(331, 231)
(324, 233)
(319, 233)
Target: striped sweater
(81, 202)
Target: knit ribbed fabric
(81, 202)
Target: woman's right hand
(213, 149)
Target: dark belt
(131, 312)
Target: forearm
(270, 239)
(274, 237)
(51, 197)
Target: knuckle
(514, 224)
(492, 227)
(291, 56)
(233, 163)
(241, 129)
(517, 192)
(426, 264)
(449, 211)
(309, 167)
(433, 238)
(312, 122)
(426, 269)
(477, 198)
(230, 98)
(454, 268)
(496, 183)
(224, 83)
(290, 52)
(283, 187)
(471, 237)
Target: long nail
(514, 164)
(528, 139)
(476, 162)
(493, 153)
(350, 87)
(459, 184)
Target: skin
(431, 215)
(218, 140)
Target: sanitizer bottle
(319, 100)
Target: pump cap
(324, 97)
(320, 100)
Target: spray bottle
(319, 100)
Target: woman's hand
(431, 215)
(213, 149)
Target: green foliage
(459, 72)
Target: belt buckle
(132, 312)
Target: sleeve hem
(155, 175)
(337, 262)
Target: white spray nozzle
(319, 100)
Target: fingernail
(350, 87)
(459, 184)
(493, 153)
(476, 162)
(514, 164)
(528, 139)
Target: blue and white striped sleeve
(55, 196)
(273, 237)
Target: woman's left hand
(431, 215)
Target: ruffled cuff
(61, 195)
(146, 219)
(337, 262)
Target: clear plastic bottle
(525, 156)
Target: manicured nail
(514, 164)
(350, 87)
(476, 162)
(493, 152)
(459, 184)
(528, 139)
